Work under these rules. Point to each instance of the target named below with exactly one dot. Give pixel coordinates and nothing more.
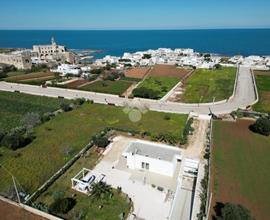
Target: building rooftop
(152, 150)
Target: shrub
(31, 120)
(261, 126)
(101, 141)
(65, 107)
(17, 138)
(235, 212)
(79, 101)
(62, 206)
(167, 117)
(2, 135)
(146, 93)
(187, 129)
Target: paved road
(244, 96)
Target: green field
(111, 208)
(205, 85)
(13, 106)
(107, 86)
(35, 163)
(263, 85)
(162, 85)
(241, 167)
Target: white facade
(66, 69)
(157, 158)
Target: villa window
(143, 165)
(147, 166)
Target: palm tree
(100, 190)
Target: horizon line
(139, 29)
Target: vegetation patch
(263, 86)
(241, 167)
(14, 106)
(155, 87)
(58, 140)
(117, 87)
(207, 85)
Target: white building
(67, 69)
(157, 158)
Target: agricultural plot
(32, 78)
(89, 207)
(158, 86)
(263, 85)
(117, 87)
(241, 167)
(168, 71)
(13, 106)
(138, 73)
(207, 85)
(59, 139)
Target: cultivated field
(205, 85)
(263, 85)
(111, 209)
(76, 84)
(32, 78)
(13, 106)
(168, 71)
(59, 139)
(112, 87)
(161, 85)
(138, 73)
(241, 167)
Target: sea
(226, 42)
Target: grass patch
(13, 106)
(161, 85)
(206, 84)
(241, 167)
(35, 163)
(107, 86)
(263, 85)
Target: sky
(134, 14)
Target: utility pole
(15, 186)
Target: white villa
(67, 69)
(152, 157)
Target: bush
(101, 141)
(235, 212)
(146, 93)
(188, 128)
(30, 120)
(65, 107)
(261, 126)
(62, 206)
(79, 101)
(2, 135)
(17, 138)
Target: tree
(65, 107)
(234, 212)
(147, 56)
(62, 206)
(217, 66)
(261, 126)
(100, 190)
(2, 135)
(30, 120)
(146, 93)
(101, 141)
(17, 138)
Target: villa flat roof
(152, 150)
